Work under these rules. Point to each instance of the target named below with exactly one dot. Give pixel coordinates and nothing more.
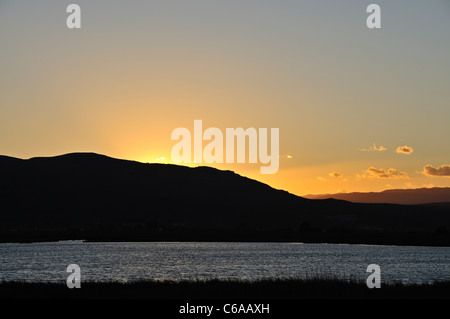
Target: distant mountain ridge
(394, 196)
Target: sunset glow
(357, 109)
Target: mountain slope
(394, 196)
(92, 188)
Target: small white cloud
(335, 175)
(374, 148)
(404, 150)
(382, 173)
(442, 171)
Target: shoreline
(278, 236)
(212, 241)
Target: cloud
(321, 179)
(404, 150)
(374, 148)
(335, 175)
(392, 173)
(442, 171)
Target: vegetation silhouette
(267, 289)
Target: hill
(94, 196)
(394, 196)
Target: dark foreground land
(276, 289)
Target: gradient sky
(339, 92)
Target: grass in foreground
(222, 289)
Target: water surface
(47, 262)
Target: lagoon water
(125, 262)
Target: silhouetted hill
(84, 188)
(394, 196)
(90, 191)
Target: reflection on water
(160, 261)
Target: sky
(357, 109)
